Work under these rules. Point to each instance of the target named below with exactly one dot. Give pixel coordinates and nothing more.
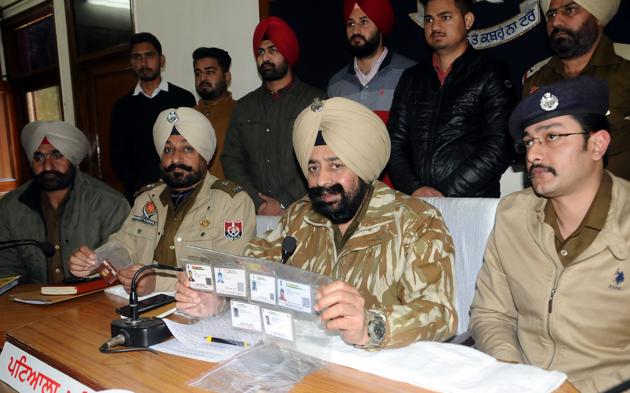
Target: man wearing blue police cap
(551, 291)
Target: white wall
(183, 26)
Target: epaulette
(227, 186)
(148, 187)
(533, 69)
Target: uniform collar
(603, 55)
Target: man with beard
(190, 207)
(61, 205)
(575, 29)
(132, 157)
(551, 291)
(257, 152)
(373, 76)
(390, 254)
(448, 120)
(212, 77)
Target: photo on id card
(199, 276)
(294, 295)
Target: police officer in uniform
(188, 206)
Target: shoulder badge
(530, 72)
(227, 186)
(147, 187)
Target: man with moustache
(374, 73)
(189, 207)
(61, 205)
(448, 120)
(132, 157)
(552, 290)
(257, 152)
(576, 38)
(212, 77)
(390, 254)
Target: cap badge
(172, 117)
(549, 102)
(317, 105)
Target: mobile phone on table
(148, 304)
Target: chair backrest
(470, 221)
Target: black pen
(218, 340)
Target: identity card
(294, 295)
(262, 288)
(230, 282)
(245, 315)
(199, 276)
(278, 324)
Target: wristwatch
(375, 329)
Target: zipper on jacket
(550, 308)
(428, 164)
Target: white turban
(189, 123)
(65, 137)
(602, 10)
(353, 132)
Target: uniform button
(57, 270)
(172, 247)
(564, 253)
(179, 238)
(57, 247)
(267, 161)
(267, 130)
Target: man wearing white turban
(61, 205)
(188, 206)
(391, 254)
(576, 37)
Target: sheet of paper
(262, 288)
(209, 352)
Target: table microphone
(47, 248)
(289, 245)
(135, 331)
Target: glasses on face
(138, 57)
(39, 156)
(550, 140)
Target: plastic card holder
(112, 256)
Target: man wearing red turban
(258, 153)
(373, 76)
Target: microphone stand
(137, 332)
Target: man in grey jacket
(61, 205)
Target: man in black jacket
(448, 120)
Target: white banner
(25, 373)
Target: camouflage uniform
(217, 205)
(400, 259)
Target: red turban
(379, 11)
(280, 33)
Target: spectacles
(550, 140)
(56, 155)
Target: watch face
(377, 328)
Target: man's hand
(145, 284)
(82, 262)
(269, 207)
(196, 303)
(343, 309)
(427, 192)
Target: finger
(264, 197)
(332, 287)
(342, 310)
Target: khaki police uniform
(221, 218)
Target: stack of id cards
(261, 301)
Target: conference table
(67, 335)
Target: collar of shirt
(603, 55)
(163, 86)
(440, 74)
(277, 94)
(364, 79)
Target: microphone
(289, 245)
(135, 331)
(47, 248)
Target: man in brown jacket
(552, 290)
(188, 207)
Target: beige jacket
(208, 224)
(528, 308)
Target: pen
(211, 339)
